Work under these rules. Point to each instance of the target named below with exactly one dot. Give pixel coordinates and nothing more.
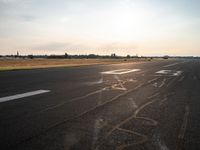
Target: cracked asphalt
(145, 106)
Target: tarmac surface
(146, 106)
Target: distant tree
(30, 56)
(128, 56)
(165, 57)
(66, 55)
(92, 56)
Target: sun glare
(128, 23)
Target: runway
(143, 106)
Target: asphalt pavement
(151, 105)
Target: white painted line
(150, 81)
(177, 73)
(100, 81)
(169, 72)
(162, 84)
(120, 71)
(155, 84)
(164, 72)
(119, 86)
(18, 96)
(171, 65)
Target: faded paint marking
(169, 72)
(171, 65)
(185, 121)
(120, 71)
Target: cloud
(28, 18)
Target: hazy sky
(145, 27)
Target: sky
(143, 27)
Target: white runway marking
(177, 73)
(119, 86)
(169, 72)
(162, 84)
(171, 65)
(100, 81)
(164, 71)
(120, 71)
(150, 81)
(18, 96)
